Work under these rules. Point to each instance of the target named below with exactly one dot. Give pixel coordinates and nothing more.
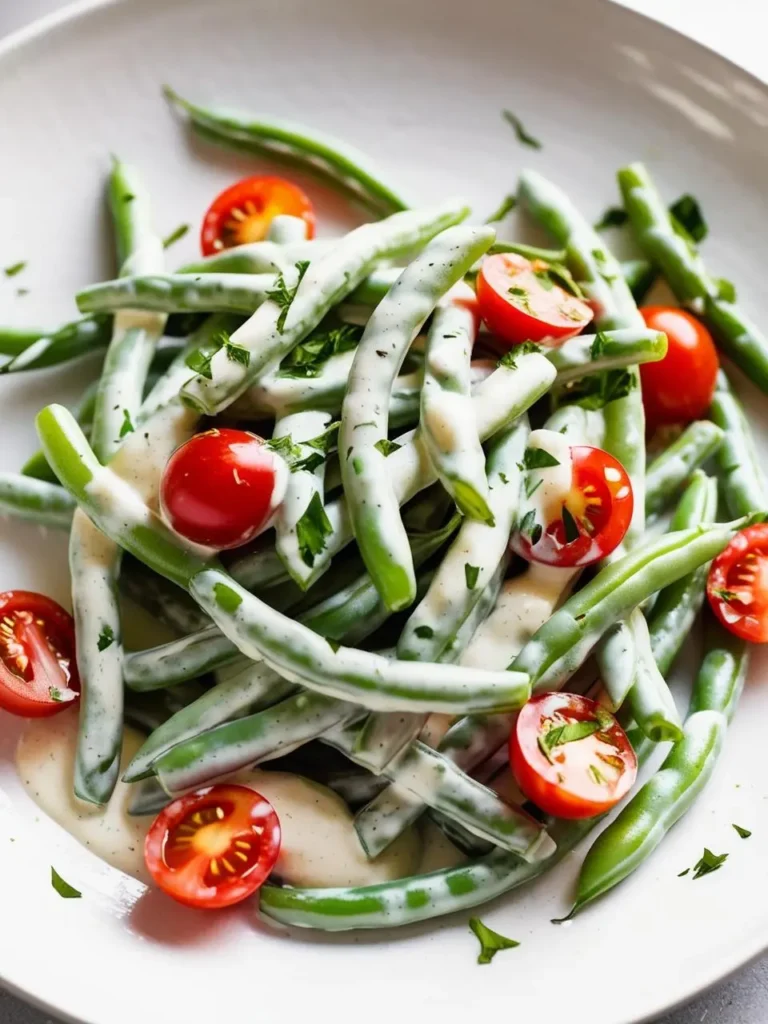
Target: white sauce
(319, 847)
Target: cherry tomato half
(243, 212)
(679, 387)
(570, 756)
(213, 848)
(592, 518)
(221, 487)
(521, 301)
(737, 585)
(38, 670)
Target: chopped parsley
(386, 447)
(523, 136)
(237, 353)
(308, 358)
(471, 572)
(613, 217)
(64, 889)
(596, 391)
(106, 638)
(55, 694)
(226, 597)
(726, 290)
(598, 346)
(529, 527)
(424, 632)
(537, 458)
(569, 526)
(127, 426)
(312, 530)
(333, 644)
(570, 732)
(175, 236)
(708, 863)
(509, 359)
(558, 274)
(15, 268)
(284, 296)
(743, 833)
(490, 941)
(506, 206)
(200, 362)
(725, 595)
(686, 214)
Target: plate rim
(74, 10)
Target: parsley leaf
(327, 441)
(558, 273)
(708, 863)
(200, 362)
(682, 874)
(596, 391)
(509, 359)
(686, 214)
(175, 236)
(613, 217)
(538, 458)
(424, 632)
(106, 638)
(506, 206)
(333, 644)
(569, 526)
(15, 268)
(598, 346)
(726, 290)
(284, 296)
(529, 526)
(226, 597)
(522, 135)
(55, 694)
(471, 572)
(126, 426)
(237, 353)
(596, 775)
(386, 447)
(308, 358)
(725, 595)
(743, 833)
(312, 530)
(570, 732)
(490, 941)
(64, 889)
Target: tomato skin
(37, 655)
(221, 487)
(564, 787)
(243, 212)
(548, 315)
(737, 585)
(691, 359)
(214, 847)
(600, 501)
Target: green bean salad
(428, 514)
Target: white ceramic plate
(419, 84)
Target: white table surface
(736, 30)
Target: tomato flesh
(679, 387)
(222, 487)
(215, 847)
(584, 775)
(520, 301)
(38, 670)
(596, 513)
(243, 212)
(737, 585)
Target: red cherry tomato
(570, 757)
(679, 387)
(243, 212)
(221, 488)
(213, 848)
(38, 671)
(520, 301)
(595, 514)
(737, 585)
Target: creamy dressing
(552, 483)
(319, 848)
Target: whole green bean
(343, 167)
(306, 295)
(642, 824)
(653, 706)
(178, 293)
(69, 342)
(616, 657)
(744, 486)
(669, 472)
(371, 499)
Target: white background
(737, 30)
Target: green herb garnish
(506, 206)
(284, 296)
(708, 863)
(106, 638)
(386, 447)
(537, 458)
(569, 526)
(613, 217)
(55, 694)
(175, 236)
(312, 530)
(686, 214)
(15, 268)
(127, 426)
(424, 632)
(490, 941)
(523, 136)
(64, 889)
(743, 833)
(308, 358)
(471, 572)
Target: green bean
(147, 797)
(653, 706)
(35, 501)
(446, 417)
(410, 900)
(343, 167)
(304, 487)
(69, 342)
(173, 662)
(160, 598)
(306, 295)
(669, 472)
(744, 486)
(371, 500)
(15, 340)
(682, 267)
(369, 679)
(677, 606)
(244, 688)
(37, 464)
(384, 735)
(472, 559)
(259, 257)
(616, 657)
(642, 824)
(178, 293)
(610, 350)
(562, 644)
